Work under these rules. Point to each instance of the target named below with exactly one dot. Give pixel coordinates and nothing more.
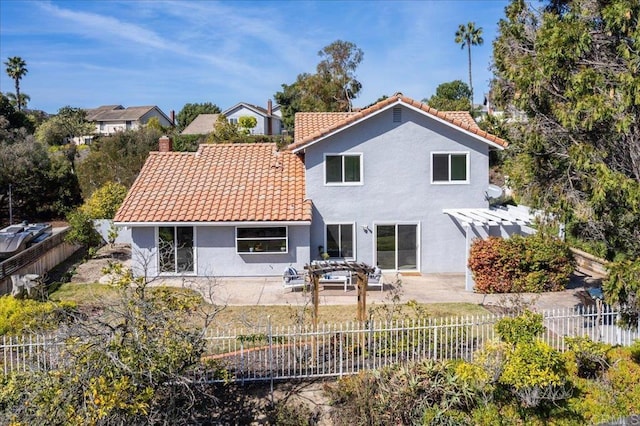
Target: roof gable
(219, 183)
(255, 108)
(201, 125)
(315, 126)
(118, 113)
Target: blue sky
(168, 53)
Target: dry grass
(97, 295)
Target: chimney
(269, 121)
(172, 116)
(165, 144)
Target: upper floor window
(233, 121)
(450, 167)
(343, 168)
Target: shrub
(487, 265)
(524, 328)
(19, 316)
(413, 394)
(82, 230)
(622, 287)
(535, 372)
(105, 201)
(533, 264)
(624, 378)
(590, 356)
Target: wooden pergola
(361, 271)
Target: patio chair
(293, 279)
(376, 279)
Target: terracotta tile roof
(309, 123)
(219, 183)
(312, 123)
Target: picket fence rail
(284, 352)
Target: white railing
(272, 353)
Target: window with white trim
(264, 239)
(340, 240)
(175, 249)
(343, 168)
(450, 167)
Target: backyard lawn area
(92, 297)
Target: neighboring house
(201, 125)
(269, 120)
(386, 185)
(110, 119)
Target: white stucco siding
(397, 187)
(216, 255)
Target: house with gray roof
(201, 125)
(269, 120)
(110, 119)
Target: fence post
(435, 341)
(270, 337)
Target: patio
(428, 288)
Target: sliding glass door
(397, 247)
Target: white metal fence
(272, 352)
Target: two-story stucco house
(373, 186)
(268, 121)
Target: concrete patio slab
(429, 288)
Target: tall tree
(190, 111)
(24, 99)
(572, 68)
(451, 96)
(339, 62)
(332, 88)
(117, 158)
(16, 69)
(70, 122)
(467, 36)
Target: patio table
(335, 279)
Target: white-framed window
(176, 249)
(449, 167)
(340, 240)
(343, 169)
(262, 239)
(233, 121)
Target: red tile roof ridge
(355, 116)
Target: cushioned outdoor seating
(293, 279)
(376, 279)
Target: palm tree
(468, 35)
(13, 100)
(16, 69)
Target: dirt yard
(91, 271)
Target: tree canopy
(451, 96)
(572, 68)
(117, 158)
(70, 122)
(332, 88)
(190, 111)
